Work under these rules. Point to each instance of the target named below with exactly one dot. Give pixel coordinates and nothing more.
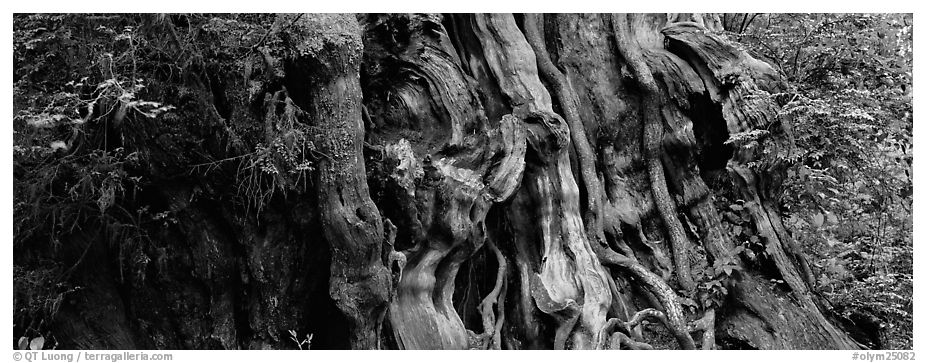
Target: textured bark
(570, 162)
(329, 62)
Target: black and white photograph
(461, 181)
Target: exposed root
(645, 314)
(533, 31)
(607, 335)
(652, 143)
(492, 325)
(706, 326)
(618, 339)
(585, 155)
(570, 277)
(500, 320)
(566, 313)
(657, 286)
(392, 259)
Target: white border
(478, 6)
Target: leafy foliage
(74, 88)
(105, 105)
(849, 197)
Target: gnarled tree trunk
(576, 164)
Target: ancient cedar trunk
(481, 181)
